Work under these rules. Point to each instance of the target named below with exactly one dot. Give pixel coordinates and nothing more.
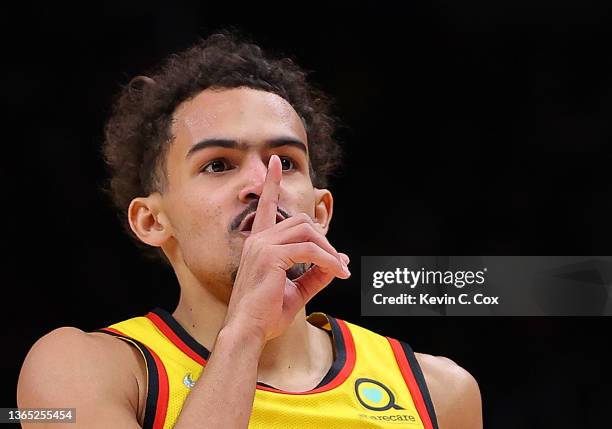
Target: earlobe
(324, 207)
(147, 221)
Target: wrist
(243, 335)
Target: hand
(263, 298)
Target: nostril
(252, 196)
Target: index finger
(265, 217)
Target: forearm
(223, 395)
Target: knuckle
(304, 231)
(310, 231)
(311, 248)
(303, 217)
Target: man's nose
(255, 177)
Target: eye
(287, 163)
(216, 166)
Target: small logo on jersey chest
(374, 395)
(187, 381)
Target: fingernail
(345, 269)
(345, 258)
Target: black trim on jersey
(182, 333)
(420, 379)
(153, 383)
(338, 339)
(340, 350)
(339, 360)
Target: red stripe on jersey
(116, 331)
(161, 407)
(163, 394)
(169, 333)
(411, 382)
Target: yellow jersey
(374, 381)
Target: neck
(295, 361)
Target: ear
(324, 207)
(148, 221)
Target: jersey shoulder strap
(134, 331)
(371, 343)
(415, 380)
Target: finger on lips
(265, 216)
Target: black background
(471, 128)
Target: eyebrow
(234, 144)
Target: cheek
(204, 218)
(195, 217)
(303, 200)
(203, 238)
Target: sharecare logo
(413, 278)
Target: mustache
(250, 208)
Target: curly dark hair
(138, 132)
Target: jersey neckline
(342, 340)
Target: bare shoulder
(454, 392)
(88, 371)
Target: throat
(297, 361)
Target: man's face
(216, 168)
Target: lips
(247, 222)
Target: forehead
(242, 114)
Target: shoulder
(454, 392)
(69, 366)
